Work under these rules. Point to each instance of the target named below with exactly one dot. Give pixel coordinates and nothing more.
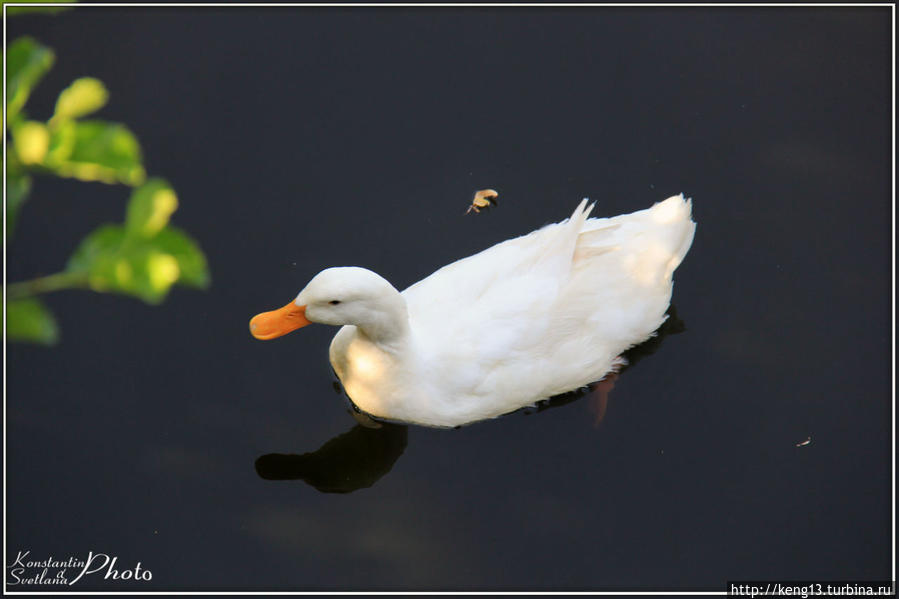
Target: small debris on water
(807, 441)
(483, 199)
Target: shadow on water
(353, 460)
(358, 458)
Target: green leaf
(145, 267)
(12, 11)
(100, 246)
(113, 264)
(18, 184)
(17, 188)
(84, 96)
(62, 142)
(150, 207)
(100, 151)
(189, 256)
(29, 320)
(26, 62)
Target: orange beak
(269, 325)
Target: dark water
(299, 139)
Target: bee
(483, 199)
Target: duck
(524, 320)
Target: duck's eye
(334, 302)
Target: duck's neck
(387, 327)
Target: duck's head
(336, 296)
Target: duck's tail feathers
(657, 238)
(678, 211)
(581, 213)
(557, 254)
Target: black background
(302, 138)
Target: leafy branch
(144, 255)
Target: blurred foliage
(12, 11)
(142, 257)
(92, 150)
(28, 319)
(26, 62)
(145, 257)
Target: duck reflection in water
(353, 460)
(358, 458)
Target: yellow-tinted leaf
(84, 96)
(102, 151)
(162, 269)
(29, 320)
(113, 264)
(31, 140)
(190, 258)
(146, 267)
(26, 63)
(150, 208)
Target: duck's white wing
(533, 314)
(474, 318)
(504, 281)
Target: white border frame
(892, 5)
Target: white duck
(524, 320)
